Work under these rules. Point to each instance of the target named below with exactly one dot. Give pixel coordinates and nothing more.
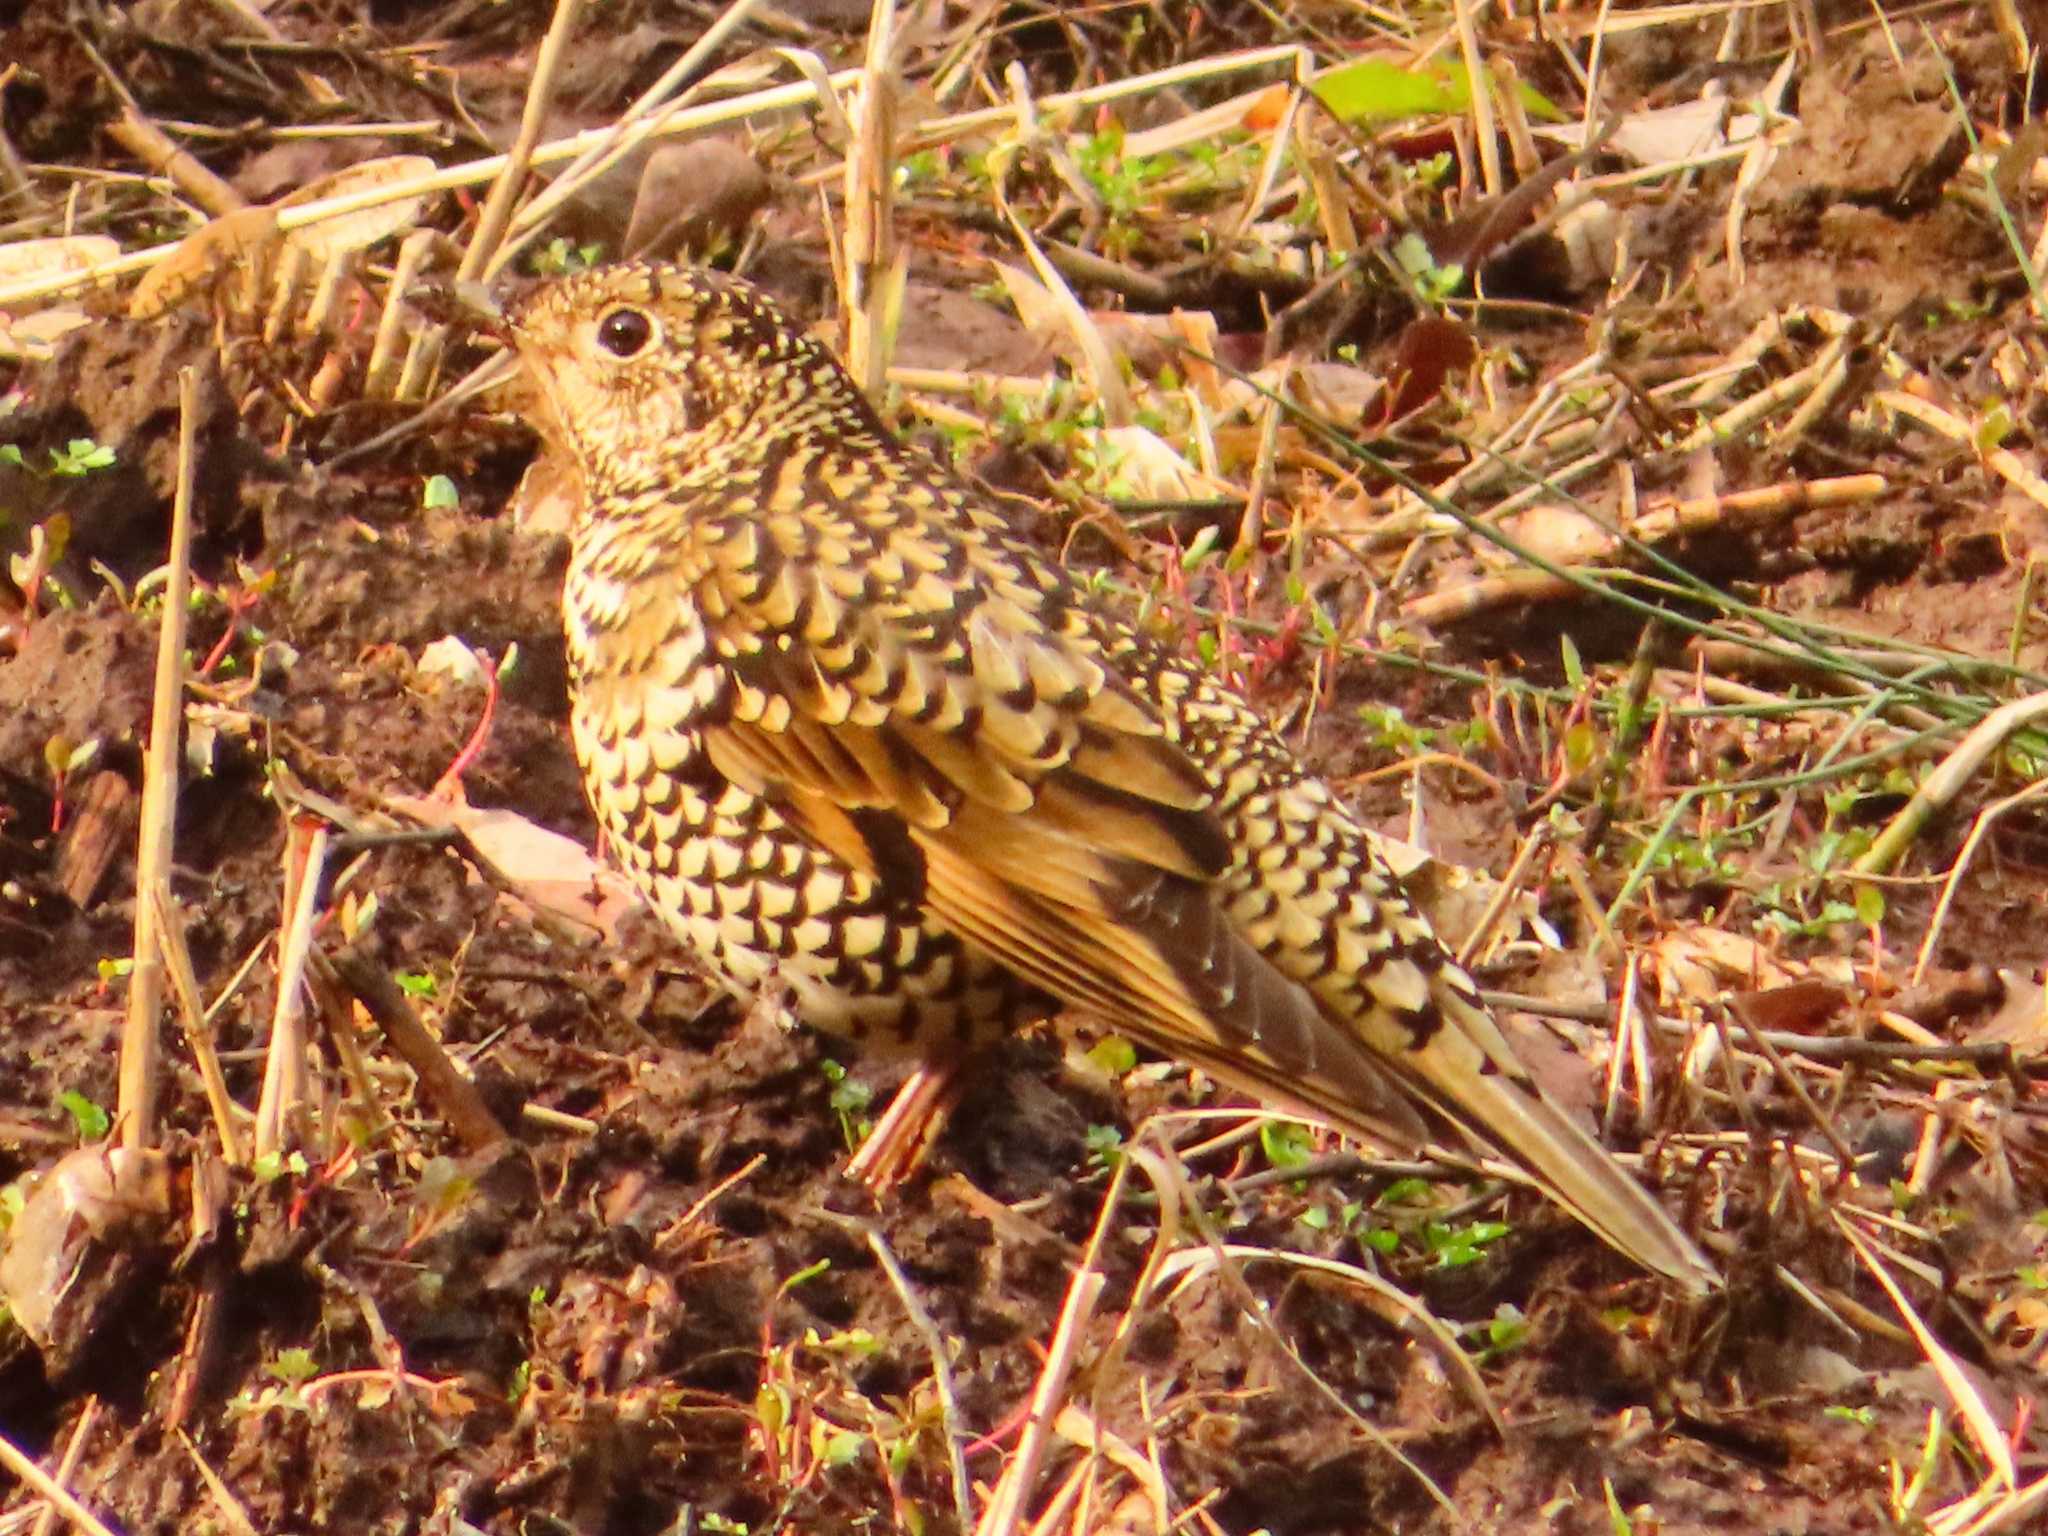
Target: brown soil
(669, 1312)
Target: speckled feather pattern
(855, 740)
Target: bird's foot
(903, 1136)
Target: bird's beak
(467, 304)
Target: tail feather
(1505, 1112)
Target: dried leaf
(1431, 349)
(553, 873)
(92, 1195)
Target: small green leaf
(440, 492)
(91, 1121)
(1287, 1143)
(417, 983)
(1455, 1247)
(1869, 905)
(1113, 1056)
(807, 1274)
(1105, 1145)
(1202, 547)
(1574, 668)
(1402, 1191)
(292, 1366)
(1617, 1518)
(1414, 254)
(1506, 1329)
(850, 1096)
(1580, 744)
(81, 456)
(1377, 90)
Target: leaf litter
(1604, 441)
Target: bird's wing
(928, 703)
(942, 730)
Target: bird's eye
(625, 332)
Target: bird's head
(652, 373)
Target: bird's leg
(904, 1134)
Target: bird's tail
(1466, 1073)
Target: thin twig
(497, 214)
(942, 1372)
(284, 1071)
(67, 1464)
(232, 1514)
(452, 1093)
(647, 117)
(1948, 779)
(192, 1015)
(15, 1460)
(139, 1055)
(1006, 1506)
(1845, 1155)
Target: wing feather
(1044, 795)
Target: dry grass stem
(875, 266)
(50, 1490)
(1479, 80)
(1004, 1512)
(285, 1076)
(226, 1505)
(1948, 778)
(1969, 1402)
(652, 115)
(139, 1049)
(67, 1464)
(942, 1371)
(170, 934)
(491, 224)
(454, 1095)
(149, 144)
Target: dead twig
(1005, 1510)
(192, 1016)
(67, 1464)
(942, 1371)
(284, 1069)
(491, 224)
(1947, 780)
(876, 265)
(15, 1460)
(153, 147)
(139, 1055)
(452, 1093)
(229, 1508)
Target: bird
(875, 757)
